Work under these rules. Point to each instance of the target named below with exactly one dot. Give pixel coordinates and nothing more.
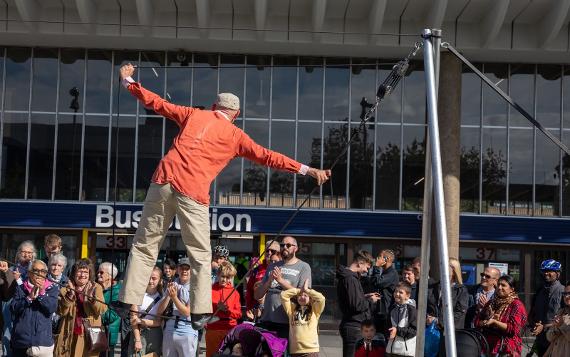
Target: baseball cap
(184, 261)
(227, 100)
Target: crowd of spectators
(53, 310)
(50, 309)
(379, 310)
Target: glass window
(124, 102)
(362, 84)
(151, 76)
(494, 174)
(255, 175)
(14, 149)
(17, 78)
(258, 86)
(284, 88)
(522, 91)
(45, 80)
(547, 175)
(415, 94)
(205, 80)
(231, 80)
(98, 87)
(361, 166)
(72, 69)
(334, 142)
(95, 158)
(520, 171)
(311, 88)
(179, 78)
(149, 152)
(42, 140)
(470, 97)
(470, 160)
(68, 160)
(566, 139)
(548, 106)
(281, 182)
(388, 166)
(123, 134)
(494, 107)
(337, 79)
(390, 109)
(413, 169)
(309, 145)
(566, 177)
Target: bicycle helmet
(221, 251)
(550, 265)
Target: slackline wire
(368, 109)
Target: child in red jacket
(368, 346)
(228, 312)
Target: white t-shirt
(147, 301)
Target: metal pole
(439, 201)
(426, 220)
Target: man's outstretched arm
(263, 156)
(151, 100)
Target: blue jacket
(32, 319)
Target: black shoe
(199, 321)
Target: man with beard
(353, 304)
(546, 303)
(290, 272)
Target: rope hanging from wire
(368, 110)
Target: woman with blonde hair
(459, 298)
(80, 301)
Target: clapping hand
(3, 266)
(276, 274)
(172, 290)
(70, 294)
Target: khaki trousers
(162, 203)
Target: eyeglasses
(26, 252)
(272, 251)
(566, 293)
(40, 272)
(288, 245)
(486, 276)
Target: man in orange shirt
(205, 144)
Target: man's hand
(482, 301)
(127, 70)
(380, 261)
(392, 331)
(16, 274)
(538, 327)
(276, 275)
(320, 175)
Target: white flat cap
(228, 101)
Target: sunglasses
(272, 251)
(40, 272)
(486, 276)
(566, 293)
(287, 245)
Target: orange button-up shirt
(206, 143)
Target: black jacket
(459, 299)
(353, 304)
(383, 281)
